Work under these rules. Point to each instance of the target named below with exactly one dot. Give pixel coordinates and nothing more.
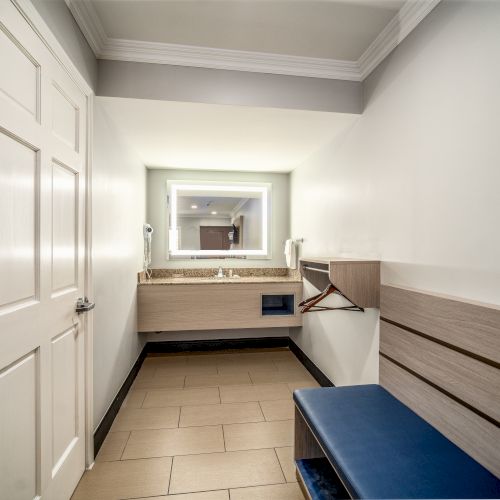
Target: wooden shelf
(357, 279)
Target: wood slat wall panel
(475, 435)
(358, 280)
(441, 357)
(469, 326)
(474, 382)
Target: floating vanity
(170, 302)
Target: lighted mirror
(218, 219)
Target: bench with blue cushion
(379, 448)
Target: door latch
(83, 305)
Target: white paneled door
(42, 256)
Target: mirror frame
(173, 188)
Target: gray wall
(414, 181)
(214, 86)
(251, 212)
(118, 205)
(60, 21)
(157, 215)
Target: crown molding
(400, 26)
(104, 47)
(88, 21)
(238, 60)
(238, 207)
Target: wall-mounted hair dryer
(147, 233)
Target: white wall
(157, 215)
(251, 212)
(118, 205)
(415, 181)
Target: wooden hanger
(310, 304)
(307, 304)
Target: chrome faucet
(220, 273)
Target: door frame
(37, 23)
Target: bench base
(316, 476)
(318, 480)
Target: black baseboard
(102, 430)
(200, 345)
(216, 345)
(320, 377)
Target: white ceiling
(335, 39)
(216, 137)
(205, 205)
(331, 29)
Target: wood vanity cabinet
(176, 307)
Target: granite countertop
(206, 276)
(218, 281)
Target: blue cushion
(382, 449)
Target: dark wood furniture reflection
(215, 237)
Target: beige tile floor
(208, 426)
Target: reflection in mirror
(218, 220)
(219, 223)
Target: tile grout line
(281, 467)
(199, 454)
(257, 486)
(170, 475)
(224, 438)
(143, 399)
(239, 384)
(263, 421)
(208, 491)
(126, 443)
(262, 411)
(196, 492)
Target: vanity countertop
(189, 280)
(206, 276)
